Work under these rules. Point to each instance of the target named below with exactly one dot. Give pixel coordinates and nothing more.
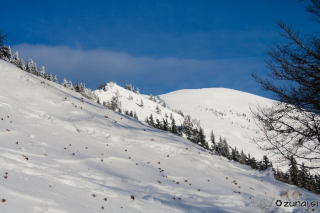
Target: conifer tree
(265, 163)
(235, 155)
(165, 126)
(195, 136)
(158, 124)
(147, 121)
(65, 82)
(218, 146)
(50, 78)
(187, 126)
(164, 104)
(225, 148)
(15, 59)
(253, 163)
(248, 160)
(70, 86)
(171, 116)
(77, 87)
(141, 103)
(174, 129)
(35, 69)
(180, 130)
(212, 138)
(302, 176)
(55, 79)
(202, 139)
(10, 54)
(22, 64)
(114, 103)
(242, 158)
(293, 171)
(5, 52)
(29, 67)
(42, 71)
(151, 121)
(135, 115)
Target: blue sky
(158, 46)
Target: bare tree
(291, 127)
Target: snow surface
(61, 154)
(225, 111)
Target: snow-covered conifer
(9, 53)
(55, 79)
(15, 59)
(135, 115)
(42, 71)
(70, 86)
(22, 64)
(50, 77)
(242, 158)
(35, 69)
(30, 67)
(65, 82)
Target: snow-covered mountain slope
(61, 154)
(135, 104)
(225, 111)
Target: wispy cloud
(152, 75)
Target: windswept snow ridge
(62, 153)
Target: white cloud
(96, 66)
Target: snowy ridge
(62, 153)
(135, 105)
(225, 111)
